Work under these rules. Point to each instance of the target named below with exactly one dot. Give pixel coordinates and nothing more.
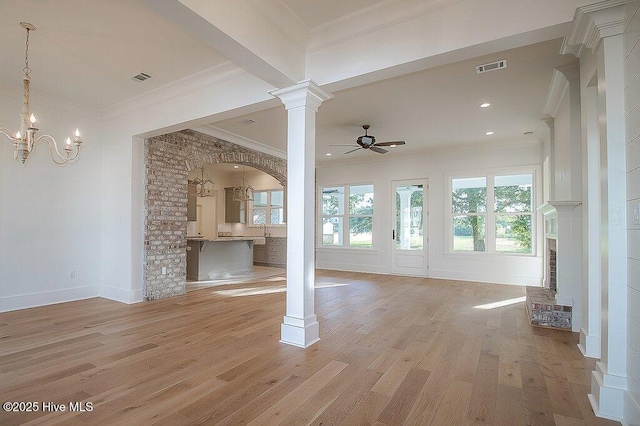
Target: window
(356, 216)
(267, 208)
(513, 200)
(469, 206)
(506, 227)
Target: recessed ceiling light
(328, 154)
(489, 133)
(485, 105)
(236, 167)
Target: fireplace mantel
(550, 208)
(563, 224)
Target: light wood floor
(393, 351)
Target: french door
(409, 228)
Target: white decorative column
(599, 27)
(590, 332)
(300, 326)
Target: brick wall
(168, 160)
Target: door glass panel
(409, 217)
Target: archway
(168, 160)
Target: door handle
(393, 234)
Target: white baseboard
(486, 278)
(589, 345)
(23, 301)
(350, 267)
(607, 394)
(121, 295)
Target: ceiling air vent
(141, 77)
(491, 67)
(248, 122)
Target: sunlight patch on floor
(251, 291)
(501, 303)
(330, 285)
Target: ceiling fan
(368, 141)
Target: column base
(300, 332)
(589, 345)
(607, 394)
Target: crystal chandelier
(25, 139)
(243, 192)
(204, 187)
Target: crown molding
(591, 24)
(219, 133)
(557, 90)
(193, 83)
(372, 19)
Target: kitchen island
(220, 258)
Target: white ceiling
(86, 51)
(317, 13)
(433, 108)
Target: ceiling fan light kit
(368, 141)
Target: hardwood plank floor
(393, 350)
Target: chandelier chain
(26, 69)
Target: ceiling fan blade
(353, 150)
(390, 143)
(378, 150)
(342, 144)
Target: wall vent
(141, 77)
(248, 122)
(498, 65)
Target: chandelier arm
(53, 146)
(8, 134)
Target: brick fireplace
(558, 304)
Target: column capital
(306, 93)
(591, 24)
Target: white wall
(50, 221)
(507, 269)
(562, 160)
(632, 98)
(188, 104)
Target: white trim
(490, 278)
(589, 345)
(608, 392)
(345, 219)
(489, 214)
(353, 267)
(557, 90)
(371, 20)
(219, 133)
(196, 82)
(121, 295)
(31, 300)
(591, 24)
